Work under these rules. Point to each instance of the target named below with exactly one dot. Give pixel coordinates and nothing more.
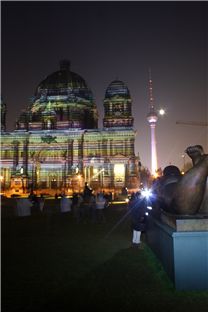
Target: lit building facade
(57, 145)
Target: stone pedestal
(181, 244)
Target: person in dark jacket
(137, 205)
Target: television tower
(152, 118)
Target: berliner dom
(57, 146)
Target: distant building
(57, 145)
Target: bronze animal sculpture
(185, 194)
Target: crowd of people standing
(83, 206)
(87, 206)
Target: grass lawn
(51, 263)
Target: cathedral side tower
(120, 135)
(117, 106)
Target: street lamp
(184, 163)
(102, 176)
(1, 181)
(21, 174)
(79, 181)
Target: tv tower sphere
(152, 117)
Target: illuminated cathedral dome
(64, 82)
(62, 101)
(117, 88)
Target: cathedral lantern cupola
(65, 65)
(117, 106)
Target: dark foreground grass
(50, 263)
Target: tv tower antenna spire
(152, 118)
(151, 99)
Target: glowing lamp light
(149, 207)
(146, 213)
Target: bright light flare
(146, 193)
(155, 175)
(149, 207)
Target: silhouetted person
(137, 205)
(41, 202)
(87, 190)
(76, 206)
(24, 206)
(65, 204)
(100, 205)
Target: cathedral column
(75, 148)
(108, 148)
(81, 152)
(15, 148)
(25, 157)
(69, 156)
(111, 148)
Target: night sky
(109, 40)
